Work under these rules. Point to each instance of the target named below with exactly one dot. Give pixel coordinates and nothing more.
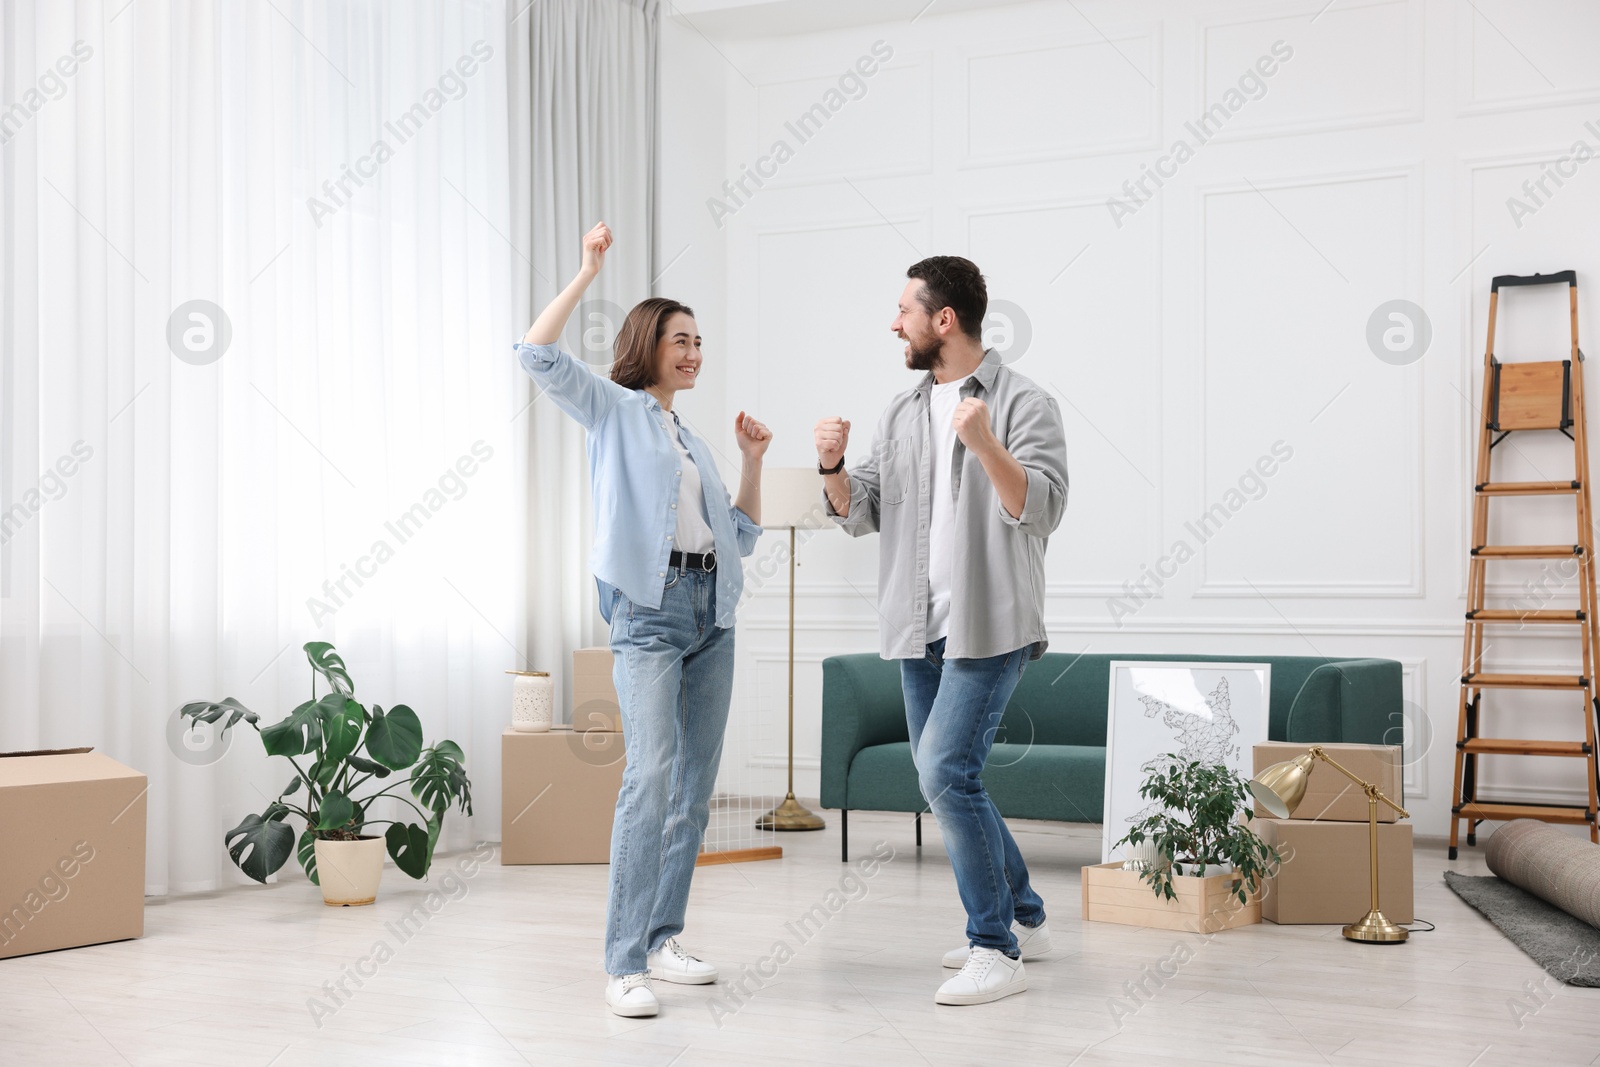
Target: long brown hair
(635, 365)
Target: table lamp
(792, 497)
(1282, 786)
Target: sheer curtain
(331, 445)
(583, 113)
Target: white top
(942, 525)
(693, 533)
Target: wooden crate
(1204, 905)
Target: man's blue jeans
(953, 709)
(674, 675)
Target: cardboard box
(594, 693)
(72, 839)
(1204, 905)
(1330, 795)
(558, 795)
(1324, 877)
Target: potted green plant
(1209, 864)
(348, 750)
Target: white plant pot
(1193, 869)
(349, 871)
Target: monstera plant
(345, 757)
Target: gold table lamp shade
(1282, 786)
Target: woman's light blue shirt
(634, 473)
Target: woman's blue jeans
(674, 675)
(953, 709)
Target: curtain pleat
(583, 111)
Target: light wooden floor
(507, 972)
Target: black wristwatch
(835, 469)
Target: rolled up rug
(1554, 866)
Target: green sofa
(1057, 719)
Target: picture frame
(1212, 711)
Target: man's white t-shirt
(942, 525)
(693, 532)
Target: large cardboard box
(72, 826)
(558, 795)
(594, 692)
(1330, 795)
(1324, 875)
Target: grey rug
(1568, 948)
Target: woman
(667, 543)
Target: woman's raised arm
(574, 387)
(546, 329)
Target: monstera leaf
(299, 732)
(307, 854)
(207, 711)
(342, 722)
(336, 811)
(366, 766)
(441, 779)
(409, 848)
(328, 663)
(395, 739)
(261, 844)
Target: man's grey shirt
(997, 585)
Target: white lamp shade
(792, 497)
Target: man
(965, 482)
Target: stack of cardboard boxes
(1325, 874)
(558, 790)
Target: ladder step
(1527, 551)
(1489, 809)
(1507, 746)
(1512, 615)
(1524, 681)
(1527, 488)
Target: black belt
(693, 561)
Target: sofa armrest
(1366, 706)
(862, 705)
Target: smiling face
(919, 330)
(677, 362)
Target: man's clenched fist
(832, 436)
(971, 424)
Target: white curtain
(336, 178)
(583, 113)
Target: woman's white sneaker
(989, 974)
(629, 995)
(1033, 943)
(670, 963)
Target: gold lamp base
(793, 815)
(1375, 929)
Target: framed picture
(1212, 712)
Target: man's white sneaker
(670, 963)
(629, 995)
(989, 974)
(1034, 944)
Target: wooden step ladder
(1519, 397)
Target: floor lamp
(792, 497)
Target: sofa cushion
(1065, 782)
(883, 778)
(1062, 782)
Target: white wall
(1226, 314)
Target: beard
(925, 355)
